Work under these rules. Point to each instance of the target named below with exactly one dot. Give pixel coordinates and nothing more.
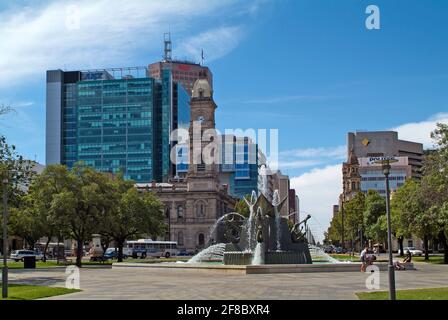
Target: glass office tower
(114, 124)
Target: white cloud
(297, 164)
(318, 191)
(310, 157)
(216, 43)
(421, 131)
(338, 152)
(110, 32)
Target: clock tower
(204, 151)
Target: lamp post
(385, 162)
(5, 239)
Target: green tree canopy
(242, 208)
(133, 214)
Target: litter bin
(29, 262)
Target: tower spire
(168, 47)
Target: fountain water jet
(257, 257)
(276, 203)
(250, 221)
(212, 253)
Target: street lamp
(5, 239)
(385, 162)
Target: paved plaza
(152, 284)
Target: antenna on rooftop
(168, 47)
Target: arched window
(180, 238)
(201, 239)
(180, 212)
(200, 209)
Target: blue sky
(307, 67)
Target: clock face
(201, 119)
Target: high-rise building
(239, 165)
(115, 120)
(184, 72)
(385, 143)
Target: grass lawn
(345, 257)
(417, 294)
(25, 292)
(432, 259)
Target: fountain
(264, 237)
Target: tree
(39, 202)
(374, 216)
(334, 232)
(354, 217)
(4, 109)
(133, 215)
(22, 223)
(434, 185)
(411, 214)
(242, 208)
(75, 199)
(17, 172)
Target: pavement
(159, 284)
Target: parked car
(413, 251)
(18, 255)
(111, 254)
(329, 250)
(339, 250)
(185, 253)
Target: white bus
(145, 248)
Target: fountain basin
(251, 269)
(270, 258)
(236, 258)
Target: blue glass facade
(121, 125)
(245, 176)
(239, 162)
(374, 180)
(115, 128)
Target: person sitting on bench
(408, 258)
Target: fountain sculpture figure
(264, 237)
